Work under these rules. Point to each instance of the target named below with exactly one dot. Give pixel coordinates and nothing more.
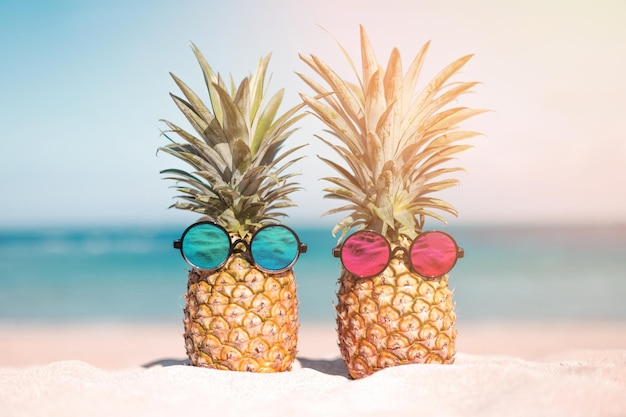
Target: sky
(83, 85)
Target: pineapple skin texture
(395, 318)
(239, 318)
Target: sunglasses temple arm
(460, 253)
(303, 247)
(177, 244)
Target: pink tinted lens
(433, 254)
(365, 254)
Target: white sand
(501, 370)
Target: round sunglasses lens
(365, 254)
(433, 254)
(206, 246)
(274, 248)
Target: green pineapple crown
(394, 144)
(239, 180)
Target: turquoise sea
(133, 274)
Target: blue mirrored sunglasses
(273, 248)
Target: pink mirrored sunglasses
(367, 253)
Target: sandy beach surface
(502, 369)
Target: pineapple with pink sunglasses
(394, 304)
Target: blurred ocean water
(134, 274)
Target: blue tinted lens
(206, 246)
(274, 248)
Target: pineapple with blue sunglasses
(241, 307)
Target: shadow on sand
(326, 366)
(166, 362)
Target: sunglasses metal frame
(178, 244)
(460, 253)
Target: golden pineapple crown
(394, 144)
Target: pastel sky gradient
(84, 83)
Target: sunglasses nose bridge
(397, 249)
(402, 253)
(242, 248)
(236, 246)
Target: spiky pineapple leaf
(210, 78)
(233, 123)
(194, 101)
(262, 128)
(339, 125)
(257, 85)
(344, 93)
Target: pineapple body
(241, 319)
(395, 318)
